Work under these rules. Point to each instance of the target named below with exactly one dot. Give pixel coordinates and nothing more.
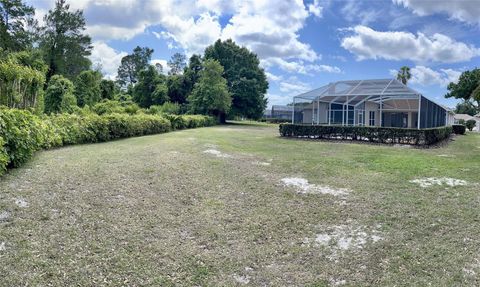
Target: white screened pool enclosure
(379, 103)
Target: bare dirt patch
(20, 202)
(304, 187)
(430, 181)
(2, 246)
(217, 153)
(5, 215)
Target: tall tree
(16, 23)
(177, 92)
(210, 94)
(192, 73)
(465, 107)
(177, 63)
(107, 89)
(467, 88)
(150, 88)
(246, 81)
(59, 95)
(132, 64)
(87, 88)
(404, 75)
(65, 46)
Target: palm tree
(404, 75)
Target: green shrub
(459, 129)
(3, 157)
(115, 107)
(167, 108)
(470, 124)
(371, 134)
(22, 133)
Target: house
(381, 102)
(466, 117)
(282, 112)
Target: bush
(371, 134)
(22, 133)
(166, 108)
(459, 129)
(3, 157)
(115, 107)
(470, 124)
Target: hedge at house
(459, 129)
(22, 133)
(370, 134)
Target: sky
(302, 45)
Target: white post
(343, 114)
(318, 111)
(293, 111)
(419, 105)
(381, 112)
(329, 113)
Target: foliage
(404, 75)
(459, 129)
(465, 107)
(371, 134)
(21, 80)
(150, 89)
(176, 87)
(191, 75)
(87, 88)
(247, 82)
(166, 108)
(470, 124)
(16, 25)
(466, 88)
(210, 94)
(22, 133)
(176, 64)
(59, 95)
(112, 106)
(131, 65)
(65, 47)
(107, 89)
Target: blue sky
(301, 44)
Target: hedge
(459, 129)
(22, 133)
(370, 134)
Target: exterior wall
(307, 116)
(369, 106)
(431, 114)
(323, 110)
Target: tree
(192, 73)
(65, 46)
(210, 95)
(465, 107)
(470, 124)
(107, 89)
(150, 88)
(467, 88)
(132, 64)
(404, 75)
(176, 89)
(16, 25)
(177, 64)
(59, 95)
(247, 82)
(87, 88)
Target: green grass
(157, 211)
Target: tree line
(47, 68)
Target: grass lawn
(160, 211)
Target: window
(371, 120)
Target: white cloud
(462, 10)
(272, 77)
(294, 87)
(367, 43)
(353, 11)
(165, 67)
(426, 76)
(315, 8)
(299, 66)
(275, 99)
(107, 57)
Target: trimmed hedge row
(22, 133)
(459, 129)
(370, 134)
